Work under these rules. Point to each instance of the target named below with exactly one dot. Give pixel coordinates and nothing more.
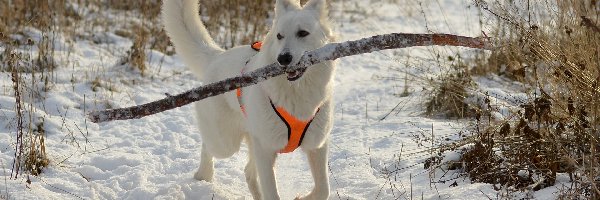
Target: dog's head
(297, 30)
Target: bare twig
(16, 79)
(328, 52)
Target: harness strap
(238, 92)
(296, 128)
(256, 47)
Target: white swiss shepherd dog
(304, 95)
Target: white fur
(223, 126)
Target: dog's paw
(304, 198)
(313, 196)
(204, 175)
(203, 178)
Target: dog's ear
(318, 5)
(282, 6)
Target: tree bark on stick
(331, 51)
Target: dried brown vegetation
(27, 71)
(245, 21)
(448, 98)
(553, 48)
(41, 14)
(30, 150)
(147, 8)
(136, 55)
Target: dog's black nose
(285, 59)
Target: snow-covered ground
(155, 157)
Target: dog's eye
(279, 36)
(302, 33)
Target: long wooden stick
(328, 52)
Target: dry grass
(553, 47)
(12, 61)
(41, 14)
(27, 71)
(449, 94)
(30, 150)
(136, 56)
(147, 8)
(245, 22)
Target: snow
(155, 157)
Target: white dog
(275, 116)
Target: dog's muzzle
(285, 60)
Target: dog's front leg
(317, 159)
(265, 162)
(250, 172)
(206, 170)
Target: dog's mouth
(295, 75)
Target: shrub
(449, 95)
(556, 53)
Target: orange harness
(296, 127)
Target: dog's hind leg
(206, 170)
(221, 135)
(250, 172)
(317, 159)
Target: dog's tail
(188, 34)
